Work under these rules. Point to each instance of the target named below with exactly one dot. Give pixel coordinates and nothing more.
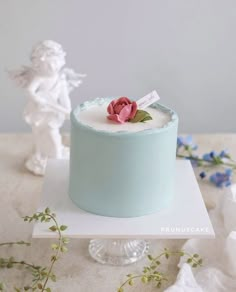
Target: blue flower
(180, 142)
(224, 154)
(209, 156)
(221, 179)
(186, 142)
(202, 174)
(214, 156)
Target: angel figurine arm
(71, 80)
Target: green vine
(40, 275)
(15, 243)
(151, 272)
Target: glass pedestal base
(118, 252)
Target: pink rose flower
(122, 110)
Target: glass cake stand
(118, 252)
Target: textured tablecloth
(76, 271)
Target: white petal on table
(218, 272)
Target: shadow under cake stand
(121, 241)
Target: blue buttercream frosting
(122, 174)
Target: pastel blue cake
(121, 173)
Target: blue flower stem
(233, 165)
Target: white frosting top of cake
(95, 116)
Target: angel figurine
(48, 85)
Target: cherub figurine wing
(22, 76)
(73, 79)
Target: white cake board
(187, 216)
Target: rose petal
(110, 109)
(111, 106)
(134, 110)
(114, 102)
(124, 99)
(125, 112)
(118, 107)
(115, 118)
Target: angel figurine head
(48, 57)
(47, 84)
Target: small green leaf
(53, 228)
(63, 227)
(64, 249)
(129, 275)
(189, 260)
(53, 258)
(47, 211)
(54, 246)
(146, 269)
(141, 116)
(65, 240)
(48, 289)
(40, 286)
(147, 118)
(150, 257)
(195, 255)
(144, 279)
(120, 290)
(53, 278)
(131, 282)
(9, 265)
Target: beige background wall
(186, 49)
